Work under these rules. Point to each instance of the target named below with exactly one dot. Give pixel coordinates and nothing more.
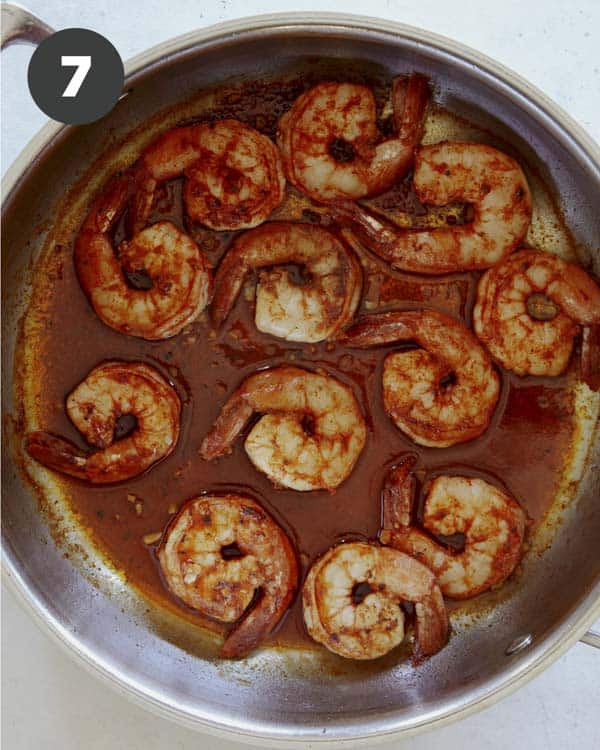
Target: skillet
(277, 696)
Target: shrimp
(441, 394)
(529, 309)
(445, 173)
(351, 602)
(492, 522)
(109, 392)
(310, 435)
(307, 312)
(329, 139)
(233, 174)
(171, 272)
(226, 557)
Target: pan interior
(155, 650)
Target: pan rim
(382, 727)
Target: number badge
(76, 76)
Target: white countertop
(48, 701)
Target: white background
(50, 703)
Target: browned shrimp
(440, 394)
(310, 435)
(175, 273)
(491, 521)
(233, 174)
(309, 312)
(351, 602)
(111, 391)
(226, 557)
(529, 310)
(445, 173)
(331, 146)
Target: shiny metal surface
(19, 26)
(278, 697)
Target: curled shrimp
(351, 602)
(440, 394)
(226, 557)
(176, 275)
(307, 312)
(111, 391)
(492, 522)
(233, 174)
(444, 173)
(331, 146)
(310, 435)
(529, 309)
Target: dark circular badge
(75, 76)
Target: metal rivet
(519, 644)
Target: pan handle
(19, 26)
(592, 638)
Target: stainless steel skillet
(276, 696)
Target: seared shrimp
(441, 394)
(308, 312)
(529, 309)
(492, 522)
(111, 391)
(329, 139)
(226, 557)
(233, 174)
(351, 602)
(310, 436)
(445, 173)
(176, 278)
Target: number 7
(83, 63)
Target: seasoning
(152, 538)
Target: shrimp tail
(577, 293)
(431, 627)
(377, 235)
(398, 494)
(590, 357)
(142, 201)
(234, 416)
(110, 204)
(250, 630)
(57, 453)
(227, 285)
(410, 96)
(260, 619)
(381, 328)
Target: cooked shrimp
(441, 394)
(310, 312)
(226, 557)
(175, 275)
(446, 173)
(310, 436)
(329, 139)
(492, 522)
(111, 391)
(233, 174)
(529, 309)
(351, 602)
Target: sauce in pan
(523, 450)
